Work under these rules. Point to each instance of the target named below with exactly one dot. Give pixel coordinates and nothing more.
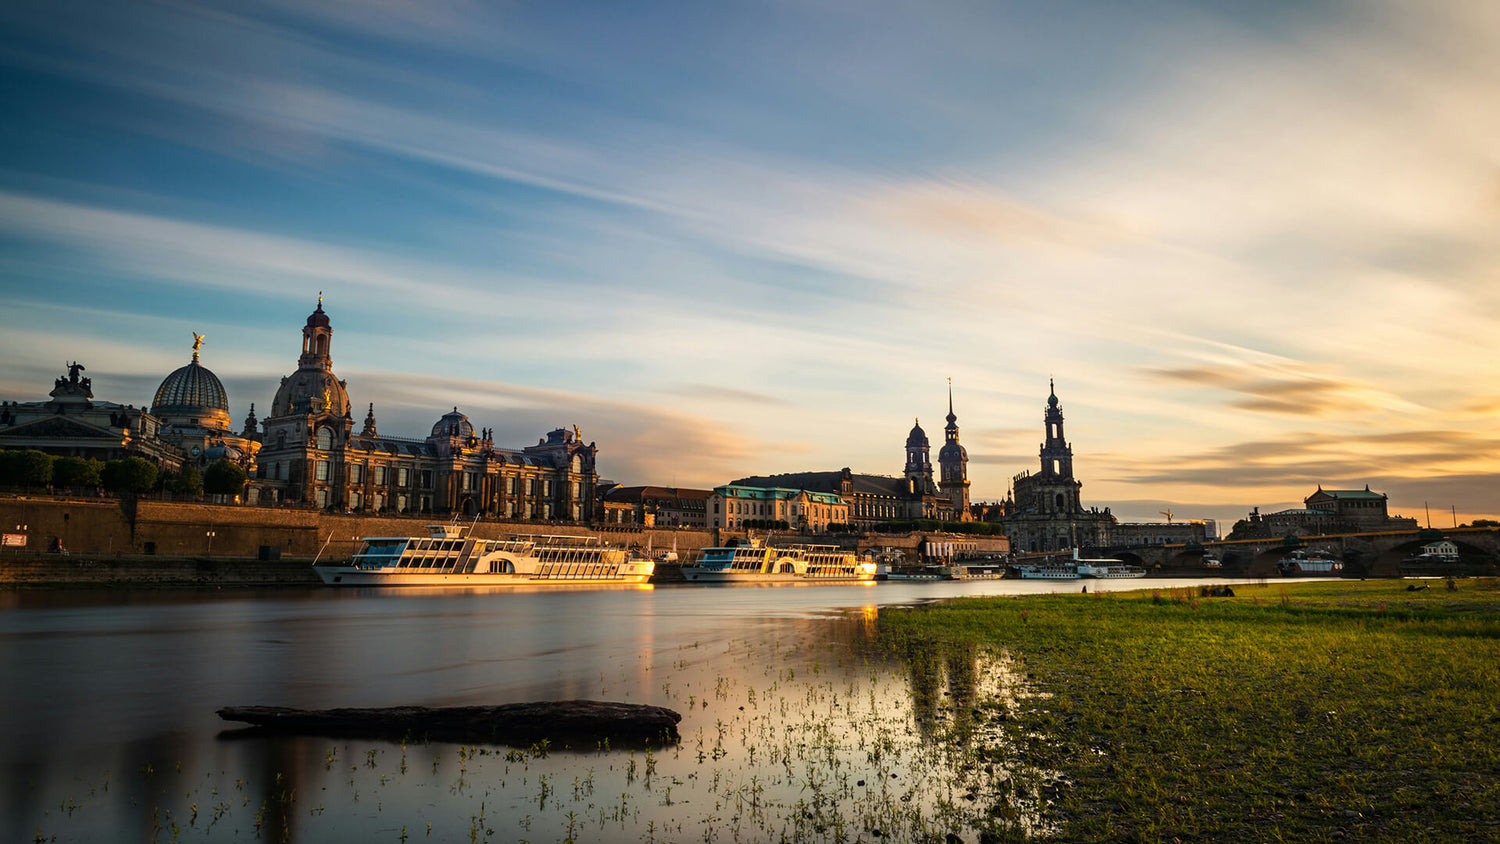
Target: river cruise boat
(1303, 561)
(1106, 568)
(447, 558)
(1047, 571)
(976, 570)
(762, 564)
(904, 572)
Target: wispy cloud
(714, 393)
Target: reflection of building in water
(945, 682)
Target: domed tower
(193, 407)
(192, 397)
(313, 388)
(918, 459)
(953, 464)
(304, 437)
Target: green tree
(188, 482)
(76, 472)
(225, 477)
(129, 476)
(34, 468)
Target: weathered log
(511, 723)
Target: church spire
(953, 463)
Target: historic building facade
(732, 505)
(186, 425)
(311, 455)
(1331, 511)
(656, 506)
(193, 407)
(73, 424)
(1046, 512)
(872, 500)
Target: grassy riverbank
(1308, 712)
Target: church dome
(917, 437)
(951, 452)
(192, 391)
(310, 391)
(453, 424)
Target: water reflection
(810, 728)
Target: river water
(794, 726)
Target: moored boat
(1108, 569)
(977, 570)
(925, 572)
(1303, 561)
(757, 563)
(447, 558)
(1047, 571)
(1105, 568)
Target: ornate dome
(310, 391)
(951, 452)
(917, 436)
(453, 424)
(192, 391)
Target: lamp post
(210, 535)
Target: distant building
(873, 500)
(193, 407)
(311, 455)
(1157, 533)
(656, 506)
(732, 505)
(188, 423)
(1331, 511)
(1445, 550)
(1046, 513)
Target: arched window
(325, 438)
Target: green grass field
(1342, 710)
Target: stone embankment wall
(92, 571)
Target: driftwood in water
(511, 723)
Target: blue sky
(1254, 242)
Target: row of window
(401, 476)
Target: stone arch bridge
(1371, 554)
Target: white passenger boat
(756, 563)
(1105, 568)
(927, 572)
(1310, 562)
(446, 558)
(1048, 571)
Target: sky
(1256, 244)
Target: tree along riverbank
(1299, 711)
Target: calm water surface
(794, 726)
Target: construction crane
(1168, 514)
